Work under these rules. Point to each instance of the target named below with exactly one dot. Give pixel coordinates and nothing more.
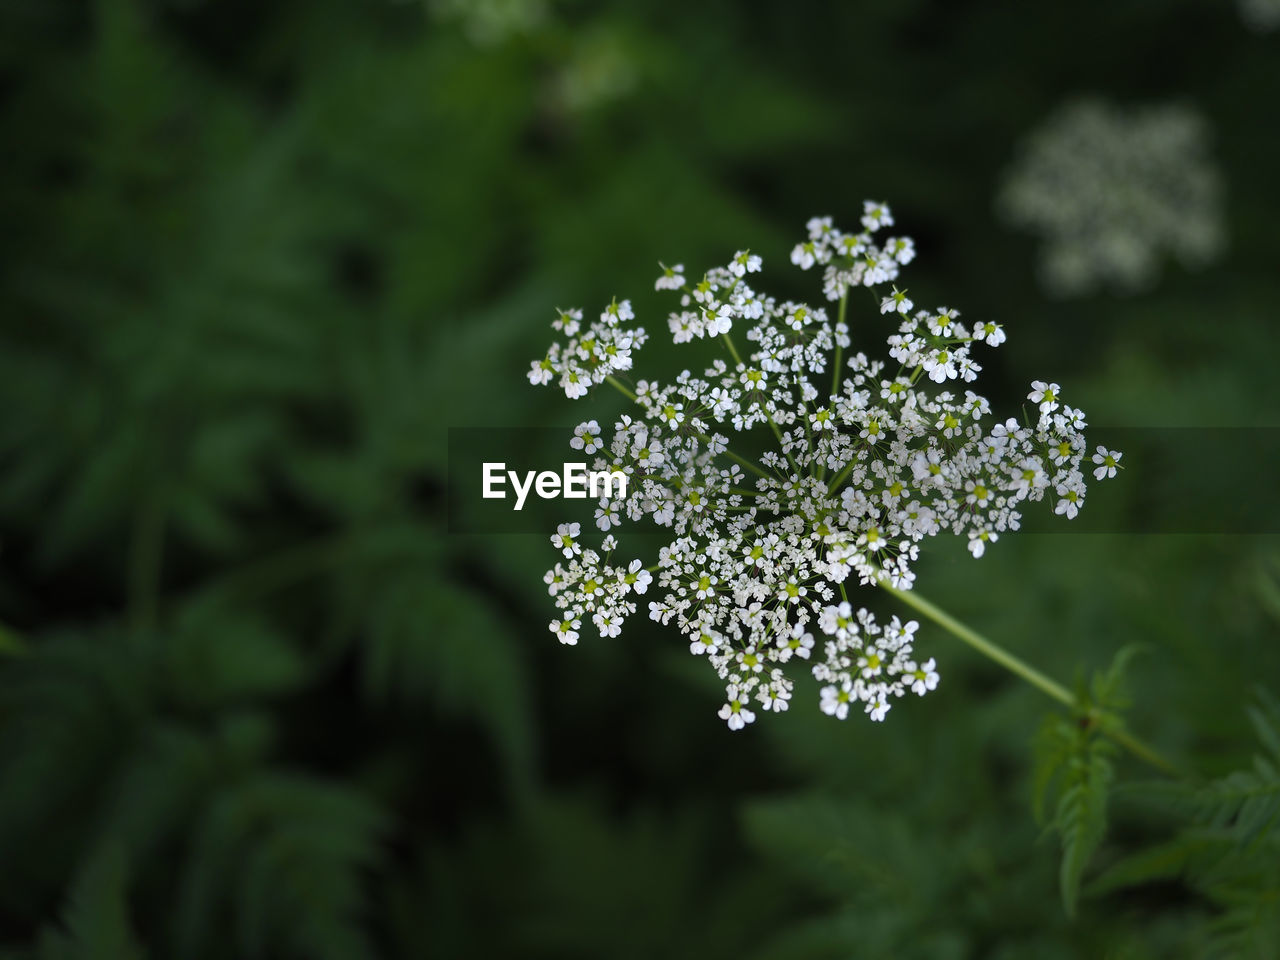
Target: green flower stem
(808, 436)
(1144, 752)
(795, 467)
(835, 366)
(841, 477)
(984, 646)
(737, 358)
(754, 468)
(622, 388)
(835, 377)
(733, 351)
(1040, 681)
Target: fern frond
(96, 922)
(1081, 817)
(283, 857)
(1247, 802)
(1228, 849)
(1165, 861)
(1074, 764)
(69, 713)
(1249, 927)
(428, 640)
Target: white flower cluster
(1261, 16)
(867, 459)
(490, 22)
(584, 361)
(599, 68)
(1110, 191)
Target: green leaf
(69, 711)
(1247, 802)
(431, 641)
(1164, 861)
(286, 857)
(96, 919)
(218, 656)
(1081, 818)
(1073, 765)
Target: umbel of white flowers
(871, 458)
(1261, 16)
(1112, 191)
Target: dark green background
(258, 257)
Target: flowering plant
(871, 458)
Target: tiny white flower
(991, 333)
(978, 540)
(744, 262)
(822, 419)
(617, 312)
(586, 437)
(836, 700)
(566, 630)
(902, 249)
(672, 277)
(922, 678)
(1045, 394)
(799, 643)
(735, 711)
(871, 663)
(541, 372)
(606, 515)
(896, 302)
(749, 661)
(1108, 461)
(819, 228)
(565, 539)
(554, 579)
(876, 215)
(637, 577)
(575, 387)
(608, 624)
(804, 255)
(718, 319)
(1069, 501)
(567, 321)
(877, 708)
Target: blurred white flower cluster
(867, 458)
(601, 66)
(1262, 16)
(1111, 191)
(489, 22)
(590, 66)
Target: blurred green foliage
(255, 702)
